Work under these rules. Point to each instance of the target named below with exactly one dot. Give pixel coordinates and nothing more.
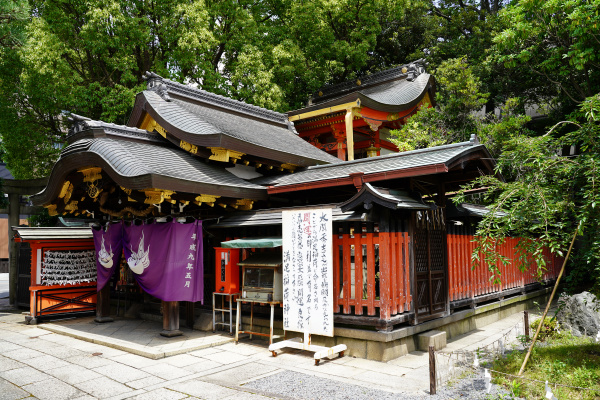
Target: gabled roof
(389, 198)
(209, 120)
(137, 159)
(393, 90)
(427, 161)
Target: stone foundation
(386, 346)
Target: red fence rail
(371, 273)
(466, 282)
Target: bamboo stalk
(548, 305)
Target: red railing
(371, 271)
(465, 282)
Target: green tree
(89, 58)
(558, 43)
(13, 14)
(454, 117)
(549, 197)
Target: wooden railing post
(103, 305)
(526, 323)
(432, 380)
(384, 265)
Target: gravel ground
(295, 385)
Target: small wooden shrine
(57, 268)
(401, 250)
(353, 119)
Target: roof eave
(372, 177)
(222, 139)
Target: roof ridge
(80, 124)
(410, 71)
(473, 142)
(163, 85)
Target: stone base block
(437, 339)
(171, 333)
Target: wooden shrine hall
(401, 249)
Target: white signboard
(308, 271)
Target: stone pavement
(46, 365)
(3, 285)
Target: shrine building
(401, 249)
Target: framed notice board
(308, 271)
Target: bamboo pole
(548, 305)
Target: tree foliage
(549, 197)
(13, 14)
(89, 57)
(556, 40)
(452, 120)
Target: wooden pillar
(170, 319)
(103, 305)
(339, 136)
(14, 208)
(349, 134)
(189, 314)
(385, 268)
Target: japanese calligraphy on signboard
(308, 271)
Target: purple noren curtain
(108, 243)
(167, 259)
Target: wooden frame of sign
(308, 280)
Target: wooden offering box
(262, 279)
(227, 272)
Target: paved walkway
(40, 363)
(3, 285)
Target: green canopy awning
(253, 243)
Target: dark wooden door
(24, 269)
(431, 283)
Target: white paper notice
(308, 271)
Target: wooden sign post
(308, 280)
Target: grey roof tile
(398, 92)
(200, 119)
(392, 162)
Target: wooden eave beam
(324, 111)
(378, 176)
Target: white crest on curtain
(105, 258)
(139, 260)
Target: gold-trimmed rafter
(151, 125)
(222, 154)
(289, 167)
(188, 147)
(51, 209)
(91, 174)
(66, 187)
(137, 213)
(206, 199)
(72, 206)
(244, 204)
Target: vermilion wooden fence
(371, 272)
(466, 282)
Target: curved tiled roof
(389, 91)
(209, 120)
(137, 164)
(398, 93)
